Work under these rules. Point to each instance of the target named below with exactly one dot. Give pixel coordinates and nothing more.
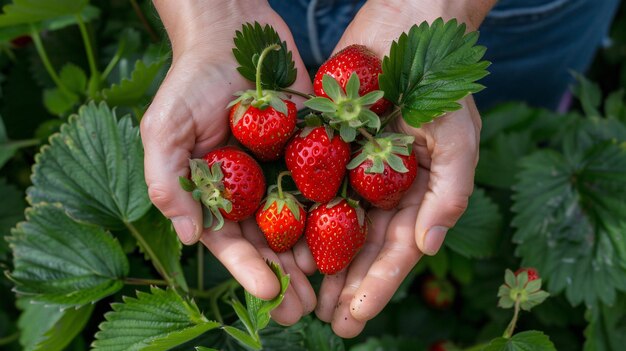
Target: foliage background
(550, 193)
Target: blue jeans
(532, 44)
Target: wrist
(207, 24)
(470, 12)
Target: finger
(451, 180)
(328, 295)
(242, 260)
(304, 257)
(394, 262)
(344, 324)
(166, 159)
(299, 281)
(288, 312)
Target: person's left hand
(447, 153)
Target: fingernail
(434, 239)
(185, 228)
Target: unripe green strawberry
(335, 232)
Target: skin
(188, 118)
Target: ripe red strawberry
(335, 232)
(438, 293)
(317, 160)
(442, 345)
(532, 273)
(382, 174)
(264, 131)
(281, 218)
(229, 182)
(358, 59)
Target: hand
(188, 118)
(447, 152)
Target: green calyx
(286, 200)
(206, 186)
(384, 150)
(518, 290)
(346, 111)
(268, 98)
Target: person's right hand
(188, 118)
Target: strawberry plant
(90, 263)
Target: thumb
(451, 180)
(168, 137)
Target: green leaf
(438, 264)
(132, 91)
(11, 211)
(432, 67)
(525, 341)
(476, 233)
(243, 338)
(318, 336)
(94, 168)
(606, 330)
(499, 159)
(278, 69)
(588, 93)
(60, 261)
(8, 148)
(569, 220)
(259, 310)
(49, 327)
(158, 320)
(160, 244)
(615, 106)
(31, 11)
(59, 103)
(202, 348)
(74, 78)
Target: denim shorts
(533, 44)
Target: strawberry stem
(370, 138)
(511, 327)
(280, 181)
(344, 188)
(259, 65)
(390, 117)
(296, 92)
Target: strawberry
(532, 273)
(383, 170)
(353, 59)
(264, 131)
(317, 160)
(263, 120)
(281, 218)
(335, 232)
(442, 345)
(229, 182)
(438, 293)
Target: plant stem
(43, 55)
(148, 250)
(88, 47)
(153, 35)
(509, 330)
(200, 267)
(114, 60)
(142, 281)
(369, 137)
(24, 143)
(344, 188)
(390, 117)
(259, 66)
(280, 181)
(9, 338)
(214, 294)
(296, 92)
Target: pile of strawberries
(341, 142)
